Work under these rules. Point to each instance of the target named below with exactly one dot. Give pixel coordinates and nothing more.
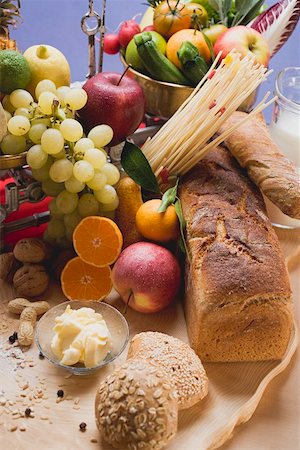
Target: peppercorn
(60, 393)
(41, 356)
(27, 412)
(82, 426)
(12, 339)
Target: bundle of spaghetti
(187, 136)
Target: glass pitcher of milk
(285, 131)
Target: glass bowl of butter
(82, 337)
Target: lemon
(132, 57)
(47, 62)
(15, 71)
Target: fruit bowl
(163, 99)
(115, 321)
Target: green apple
(214, 32)
(132, 57)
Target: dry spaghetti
(186, 137)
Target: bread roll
(252, 146)
(177, 359)
(238, 297)
(136, 407)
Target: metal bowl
(12, 161)
(163, 99)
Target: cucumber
(157, 64)
(193, 65)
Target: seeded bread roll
(178, 360)
(136, 407)
(238, 297)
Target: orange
(82, 281)
(157, 226)
(193, 36)
(97, 240)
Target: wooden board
(234, 391)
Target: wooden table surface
(274, 425)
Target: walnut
(31, 250)
(8, 266)
(31, 280)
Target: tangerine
(97, 240)
(82, 281)
(193, 36)
(157, 226)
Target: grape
(12, 145)
(67, 202)
(45, 86)
(20, 98)
(56, 228)
(71, 130)
(82, 145)
(46, 101)
(101, 135)
(74, 186)
(95, 157)
(23, 112)
(88, 205)
(98, 181)
(35, 132)
(18, 125)
(83, 171)
(61, 94)
(54, 211)
(109, 206)
(61, 170)
(76, 98)
(72, 220)
(36, 158)
(8, 116)
(52, 188)
(7, 105)
(42, 174)
(44, 120)
(60, 155)
(48, 239)
(111, 172)
(106, 195)
(52, 141)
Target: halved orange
(82, 281)
(97, 240)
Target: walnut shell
(31, 280)
(8, 266)
(31, 250)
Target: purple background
(57, 23)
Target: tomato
(171, 16)
(111, 44)
(198, 14)
(214, 31)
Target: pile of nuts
(28, 316)
(25, 267)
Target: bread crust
(238, 297)
(254, 149)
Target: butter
(81, 336)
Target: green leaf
(137, 167)
(168, 198)
(245, 9)
(209, 45)
(182, 225)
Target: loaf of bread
(238, 298)
(254, 149)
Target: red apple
(148, 274)
(244, 40)
(120, 104)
